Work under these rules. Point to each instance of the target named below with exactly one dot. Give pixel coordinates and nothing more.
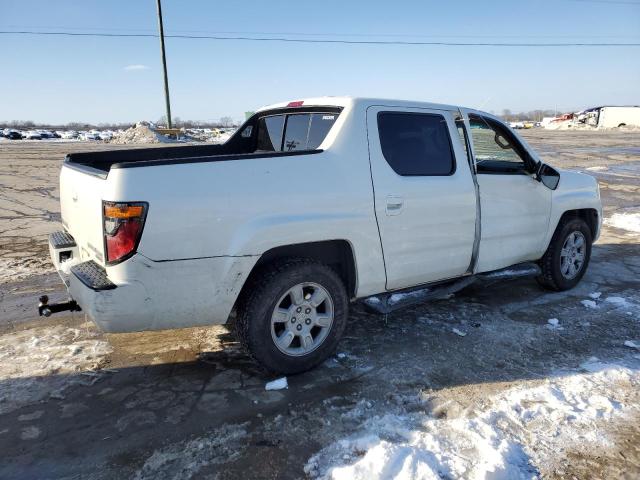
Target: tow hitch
(45, 310)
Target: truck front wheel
(292, 315)
(567, 258)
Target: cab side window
(416, 143)
(495, 149)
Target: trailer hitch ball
(43, 309)
(46, 310)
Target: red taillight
(297, 103)
(122, 227)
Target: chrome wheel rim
(302, 319)
(572, 255)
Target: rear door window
(416, 143)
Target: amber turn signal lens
(123, 211)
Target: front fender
(576, 191)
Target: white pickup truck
(308, 206)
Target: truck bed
(104, 160)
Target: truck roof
(356, 102)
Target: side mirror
(502, 142)
(549, 176)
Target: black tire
(552, 277)
(253, 322)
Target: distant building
(610, 117)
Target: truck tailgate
(81, 207)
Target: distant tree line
(177, 122)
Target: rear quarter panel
(246, 207)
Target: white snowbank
(625, 221)
(141, 133)
(512, 435)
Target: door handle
(394, 205)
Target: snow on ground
(278, 384)
(186, 459)
(14, 269)
(589, 303)
(629, 221)
(511, 435)
(29, 356)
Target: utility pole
(164, 66)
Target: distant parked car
(13, 135)
(32, 135)
(69, 134)
(90, 136)
(48, 134)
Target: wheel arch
(589, 215)
(338, 254)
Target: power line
(301, 34)
(326, 40)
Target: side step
(60, 240)
(389, 302)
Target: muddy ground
(76, 403)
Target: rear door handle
(394, 206)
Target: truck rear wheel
(567, 258)
(292, 315)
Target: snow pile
(141, 133)
(625, 221)
(512, 435)
(36, 362)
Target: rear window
(416, 143)
(293, 132)
(270, 133)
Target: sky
(62, 79)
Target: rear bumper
(141, 294)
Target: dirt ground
(76, 403)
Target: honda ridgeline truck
(308, 206)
